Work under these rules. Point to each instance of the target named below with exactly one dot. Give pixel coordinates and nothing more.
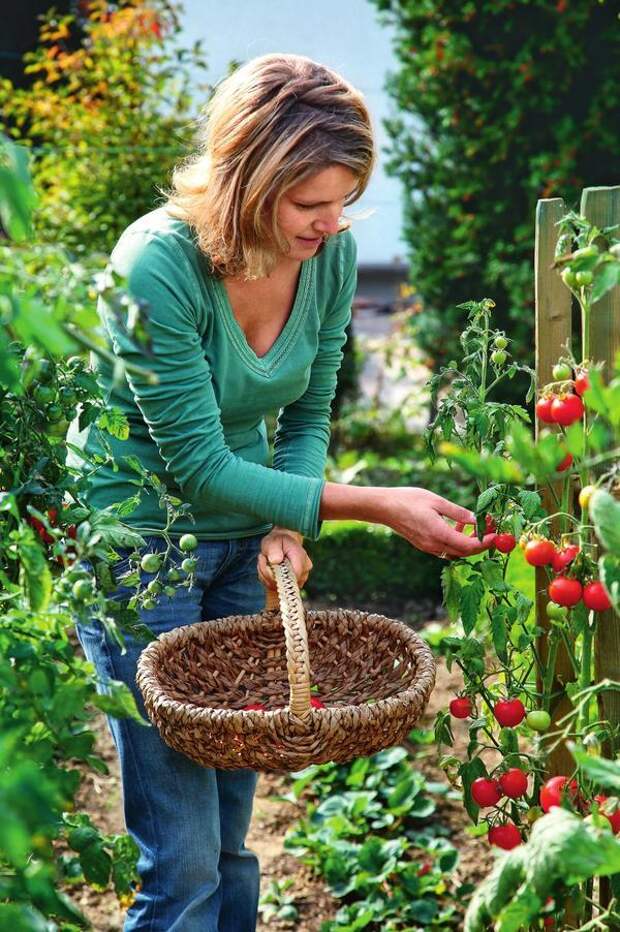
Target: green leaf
(605, 514)
(114, 422)
(36, 575)
(17, 197)
(499, 631)
(606, 277)
(605, 773)
(471, 599)
(451, 592)
(530, 502)
(486, 498)
(119, 702)
(609, 571)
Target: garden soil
(100, 797)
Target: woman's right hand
(420, 516)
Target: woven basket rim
(184, 710)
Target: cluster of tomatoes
(565, 406)
(565, 590)
(55, 520)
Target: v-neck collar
(270, 360)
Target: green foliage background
(500, 103)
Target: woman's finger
(456, 512)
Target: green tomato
(538, 720)
(54, 413)
(562, 371)
(155, 587)
(556, 612)
(44, 394)
(68, 396)
(500, 342)
(174, 575)
(170, 591)
(584, 278)
(189, 564)
(82, 589)
(151, 562)
(569, 278)
(149, 604)
(498, 358)
(188, 542)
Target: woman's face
(311, 209)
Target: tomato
(513, 783)
(585, 495)
(556, 612)
(539, 552)
(316, 703)
(543, 409)
(557, 789)
(595, 597)
(151, 562)
(46, 371)
(562, 372)
(538, 720)
(189, 564)
(500, 342)
(68, 397)
(613, 817)
(562, 558)
(582, 382)
(54, 413)
(566, 409)
(424, 869)
(505, 543)
(485, 792)
(461, 707)
(569, 278)
(506, 836)
(155, 587)
(149, 604)
(44, 394)
(174, 575)
(565, 591)
(566, 463)
(584, 278)
(255, 707)
(498, 357)
(509, 712)
(188, 542)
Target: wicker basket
(374, 675)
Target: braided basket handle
(288, 600)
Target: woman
(249, 274)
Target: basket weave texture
(374, 675)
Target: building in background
(348, 37)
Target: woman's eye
(304, 206)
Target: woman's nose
(328, 224)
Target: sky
(345, 35)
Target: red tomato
(555, 790)
(513, 783)
(595, 597)
(566, 409)
(566, 463)
(505, 543)
(461, 707)
(424, 868)
(565, 591)
(539, 552)
(316, 703)
(543, 409)
(582, 382)
(506, 836)
(509, 712)
(613, 818)
(485, 792)
(255, 707)
(562, 558)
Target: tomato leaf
(471, 600)
(605, 514)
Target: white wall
(343, 34)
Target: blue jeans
(190, 822)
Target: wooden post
(553, 330)
(601, 206)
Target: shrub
(500, 103)
(107, 116)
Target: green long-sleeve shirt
(201, 428)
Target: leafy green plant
(369, 831)
(276, 903)
(107, 116)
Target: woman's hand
(275, 546)
(420, 517)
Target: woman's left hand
(275, 546)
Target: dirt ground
(100, 797)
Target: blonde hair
(272, 123)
